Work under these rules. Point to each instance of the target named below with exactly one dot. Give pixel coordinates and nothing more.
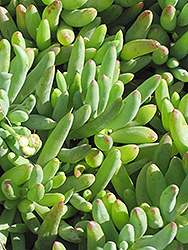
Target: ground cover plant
(93, 124)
